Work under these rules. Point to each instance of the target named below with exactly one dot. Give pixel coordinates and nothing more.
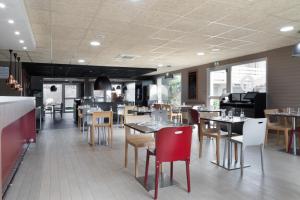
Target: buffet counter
(17, 128)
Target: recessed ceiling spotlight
(81, 61)
(2, 5)
(215, 50)
(10, 21)
(160, 65)
(17, 33)
(21, 41)
(135, 0)
(95, 43)
(200, 53)
(287, 28)
(24, 48)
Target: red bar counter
(17, 128)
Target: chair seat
(238, 139)
(140, 140)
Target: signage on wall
(4, 72)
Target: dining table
(293, 116)
(229, 122)
(151, 128)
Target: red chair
(171, 144)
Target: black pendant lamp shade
(53, 88)
(10, 79)
(102, 83)
(118, 87)
(296, 50)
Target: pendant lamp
(10, 78)
(169, 76)
(19, 75)
(53, 88)
(102, 83)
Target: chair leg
(157, 164)
(171, 171)
(277, 137)
(225, 150)
(286, 140)
(217, 149)
(266, 136)
(126, 154)
(146, 170)
(136, 155)
(111, 135)
(235, 152)
(242, 160)
(262, 157)
(187, 162)
(200, 145)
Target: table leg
(229, 144)
(294, 136)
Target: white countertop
(8, 99)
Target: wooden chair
(281, 126)
(99, 121)
(212, 132)
(59, 109)
(171, 114)
(136, 140)
(80, 117)
(127, 113)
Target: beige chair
(136, 140)
(212, 131)
(127, 112)
(281, 126)
(171, 114)
(80, 116)
(98, 121)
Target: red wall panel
(13, 138)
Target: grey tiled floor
(62, 166)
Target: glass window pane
(169, 90)
(54, 97)
(218, 80)
(249, 77)
(70, 91)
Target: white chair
(254, 131)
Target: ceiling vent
(126, 57)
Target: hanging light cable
(16, 85)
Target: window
(249, 77)
(130, 92)
(70, 95)
(169, 90)
(52, 97)
(217, 86)
(237, 78)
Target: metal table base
(164, 181)
(232, 166)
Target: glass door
(217, 86)
(70, 95)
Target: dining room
(160, 100)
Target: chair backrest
(157, 106)
(173, 143)
(99, 117)
(127, 109)
(254, 131)
(160, 115)
(138, 118)
(193, 116)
